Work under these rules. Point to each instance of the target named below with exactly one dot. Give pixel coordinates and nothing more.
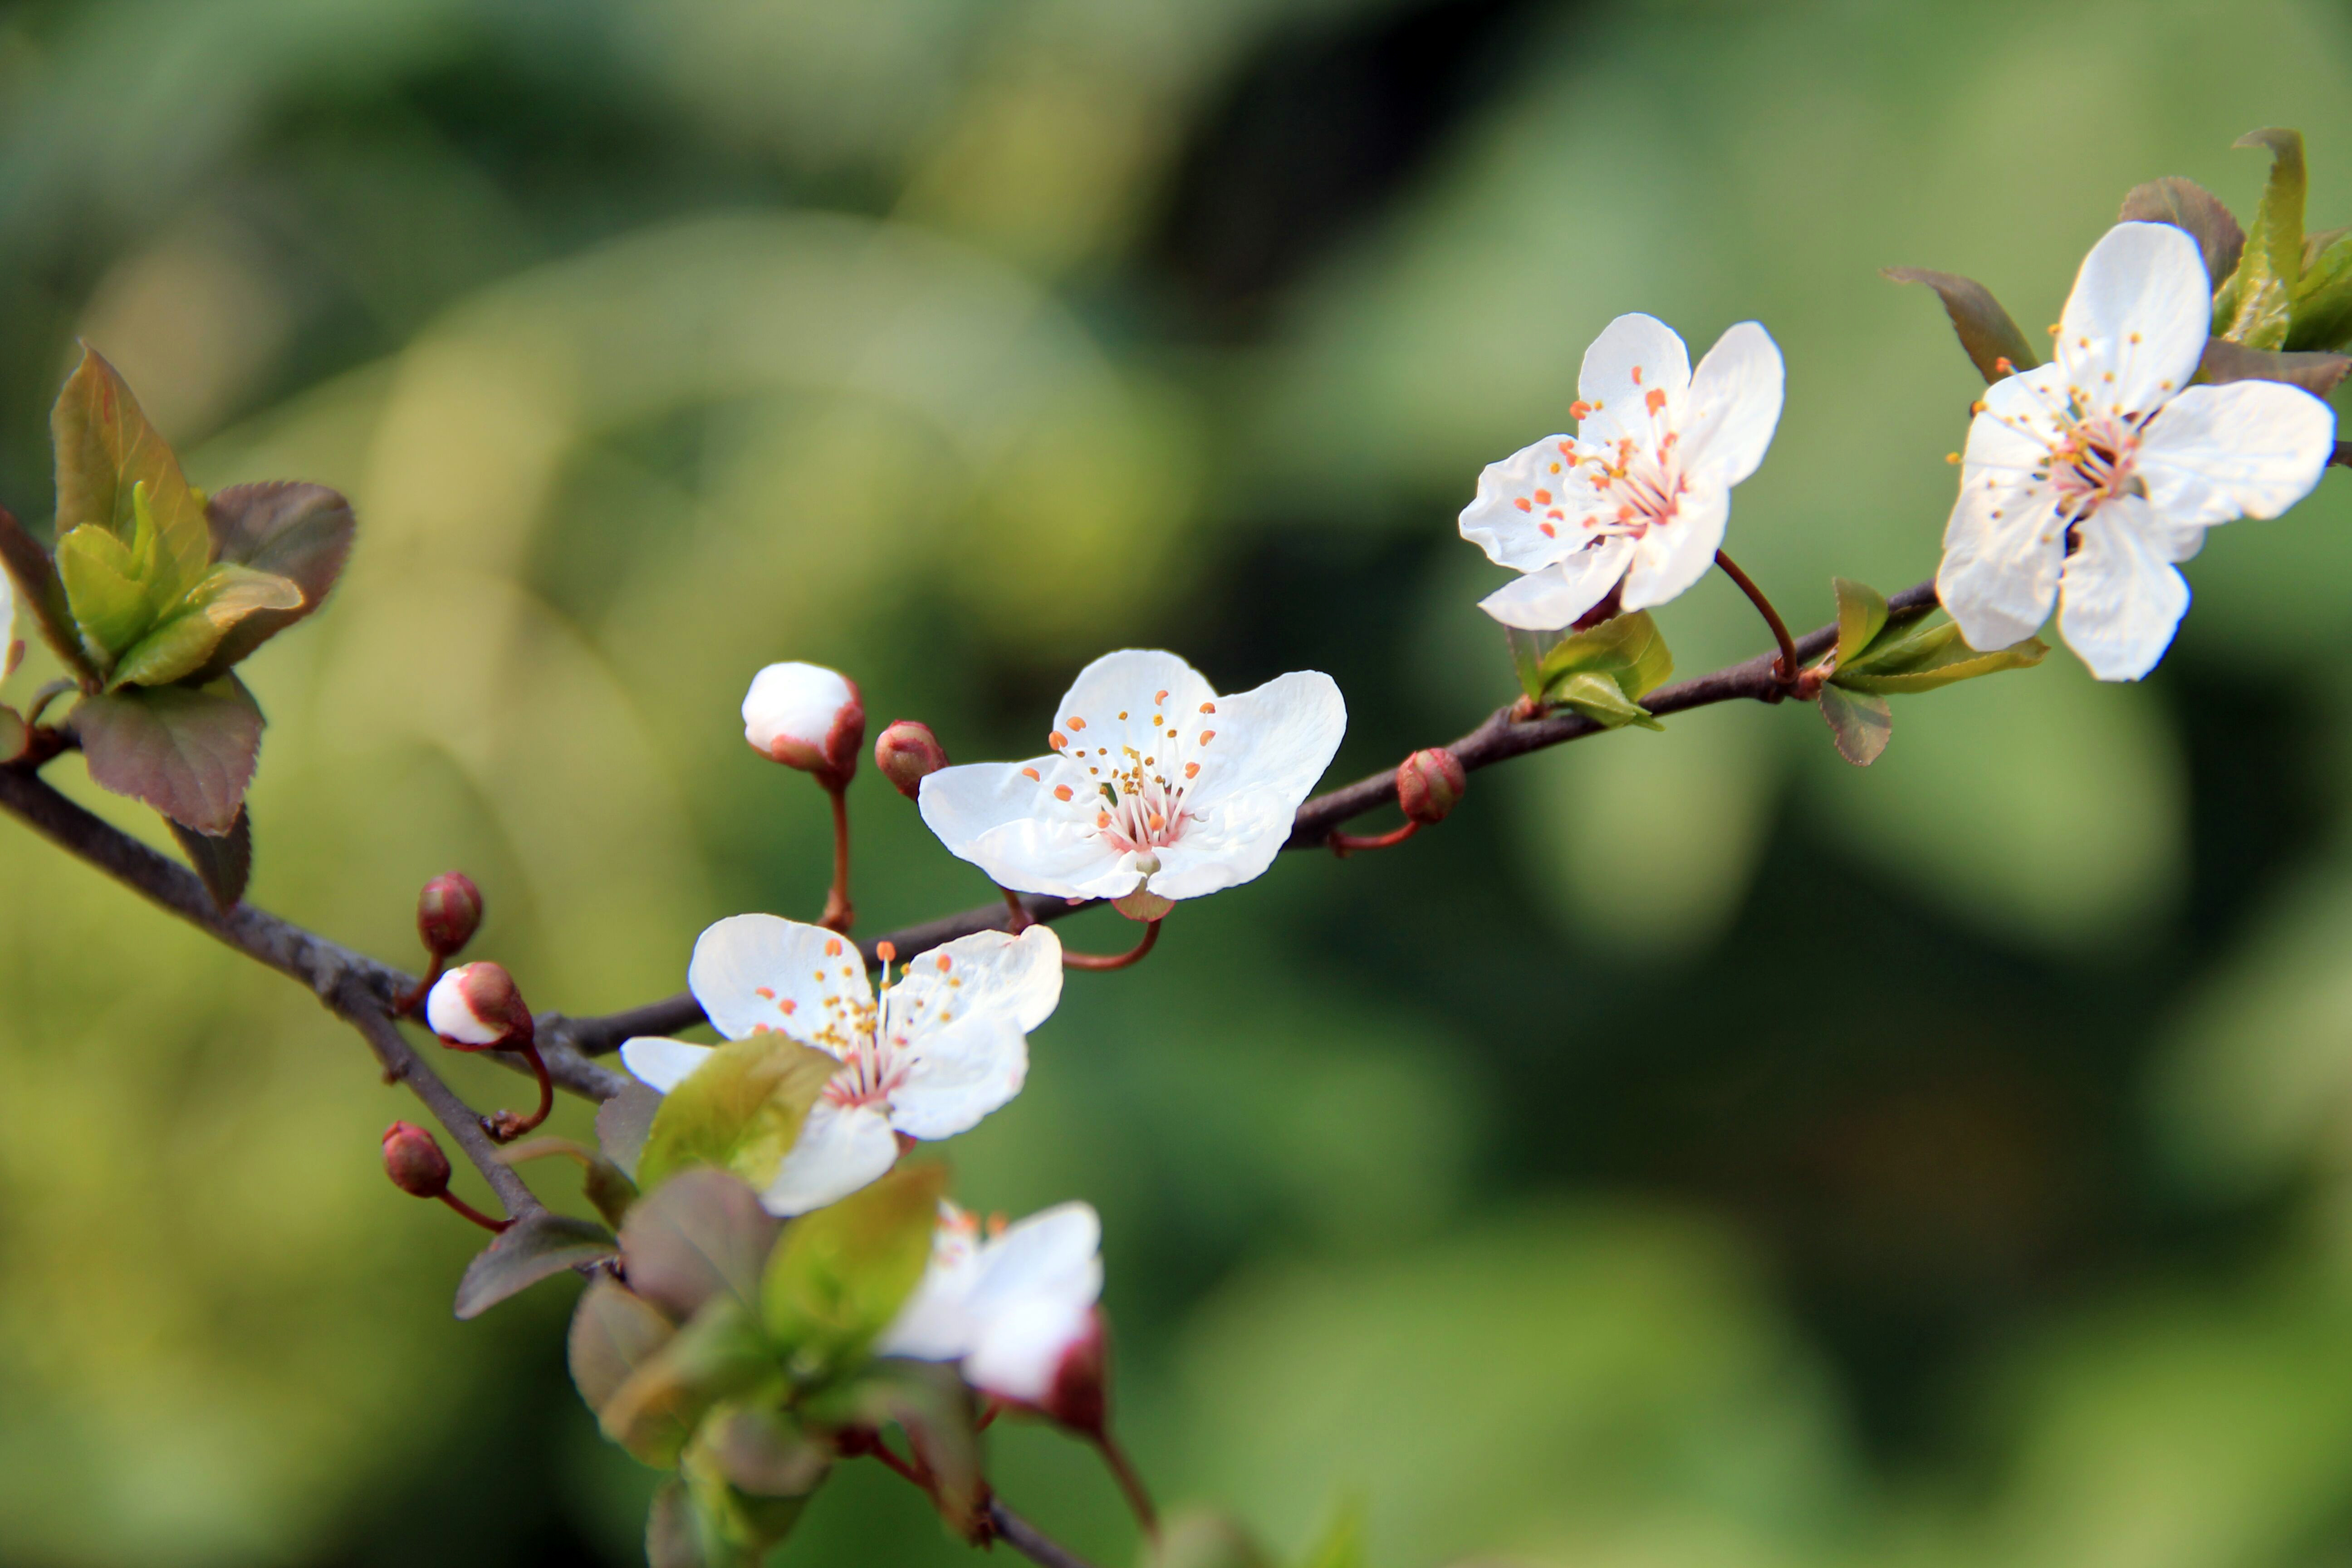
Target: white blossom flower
(1151, 775)
(2084, 481)
(1012, 1309)
(1641, 493)
(475, 1006)
(806, 717)
(942, 1048)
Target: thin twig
(1497, 740)
(1747, 584)
(1029, 1541)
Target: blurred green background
(1700, 1152)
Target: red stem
(408, 1006)
(505, 1127)
(1788, 668)
(1130, 1483)
(493, 1226)
(1021, 921)
(838, 911)
(1345, 844)
(1114, 961)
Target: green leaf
(2323, 300)
(2316, 374)
(298, 532)
(528, 1251)
(601, 1180)
(1986, 331)
(1342, 1545)
(36, 576)
(614, 1331)
(1860, 722)
(105, 451)
(732, 1519)
(187, 752)
(698, 1238)
(740, 1111)
(185, 642)
(935, 1409)
(763, 1452)
(1860, 616)
(1926, 657)
(1197, 1538)
(112, 608)
(841, 1274)
(1626, 648)
(2186, 204)
(623, 1124)
(719, 1355)
(2255, 305)
(1602, 700)
(224, 863)
(1528, 651)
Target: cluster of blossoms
(2084, 481)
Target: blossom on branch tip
(477, 1006)
(1016, 1311)
(1152, 779)
(2086, 480)
(806, 717)
(941, 1049)
(1639, 496)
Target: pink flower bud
(1429, 785)
(806, 717)
(414, 1162)
(908, 753)
(476, 1007)
(448, 913)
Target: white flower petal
(758, 972)
(1018, 1353)
(450, 1015)
(1005, 821)
(1013, 980)
(1533, 488)
(1734, 404)
(661, 1064)
(953, 1076)
(1056, 1254)
(1554, 597)
(2135, 326)
(2003, 550)
(934, 1324)
(841, 1149)
(1609, 381)
(793, 712)
(2248, 448)
(1269, 746)
(2017, 429)
(1675, 551)
(2121, 600)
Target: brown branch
(1497, 740)
(1029, 1541)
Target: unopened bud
(1052, 1357)
(1429, 785)
(414, 1162)
(477, 1006)
(448, 913)
(1078, 1397)
(806, 717)
(908, 753)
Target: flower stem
(1346, 844)
(408, 1006)
(838, 912)
(1114, 961)
(494, 1226)
(1788, 670)
(1130, 1483)
(1021, 921)
(506, 1127)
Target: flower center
(2094, 461)
(1618, 489)
(1137, 779)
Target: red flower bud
(448, 913)
(414, 1162)
(908, 753)
(477, 1007)
(806, 717)
(1429, 785)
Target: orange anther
(1543, 498)
(1548, 531)
(1579, 409)
(1207, 736)
(788, 1006)
(763, 992)
(888, 951)
(1657, 398)
(833, 947)
(1076, 722)
(1637, 376)
(1159, 697)
(1524, 504)
(944, 963)
(1029, 773)
(1192, 770)
(1056, 741)
(1102, 819)
(1061, 791)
